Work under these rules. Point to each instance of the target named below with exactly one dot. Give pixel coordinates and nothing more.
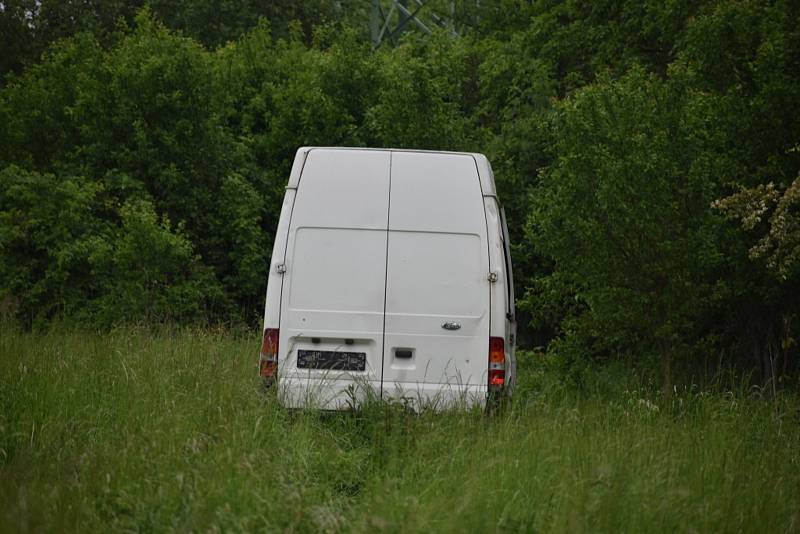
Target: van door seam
(386, 274)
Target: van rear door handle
(451, 325)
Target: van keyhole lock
(492, 277)
(280, 268)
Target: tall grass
(142, 430)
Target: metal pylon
(390, 18)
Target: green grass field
(143, 431)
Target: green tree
(624, 215)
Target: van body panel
(486, 175)
(437, 264)
(502, 308)
(297, 167)
(334, 269)
(511, 314)
(272, 309)
(484, 168)
(334, 284)
(436, 192)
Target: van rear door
(436, 338)
(331, 321)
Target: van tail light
(268, 361)
(497, 363)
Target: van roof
(484, 168)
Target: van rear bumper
(326, 393)
(332, 393)
(437, 397)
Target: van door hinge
(280, 268)
(492, 277)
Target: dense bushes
(142, 173)
(64, 257)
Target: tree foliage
(779, 244)
(624, 214)
(144, 151)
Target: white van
(390, 276)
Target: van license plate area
(333, 360)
